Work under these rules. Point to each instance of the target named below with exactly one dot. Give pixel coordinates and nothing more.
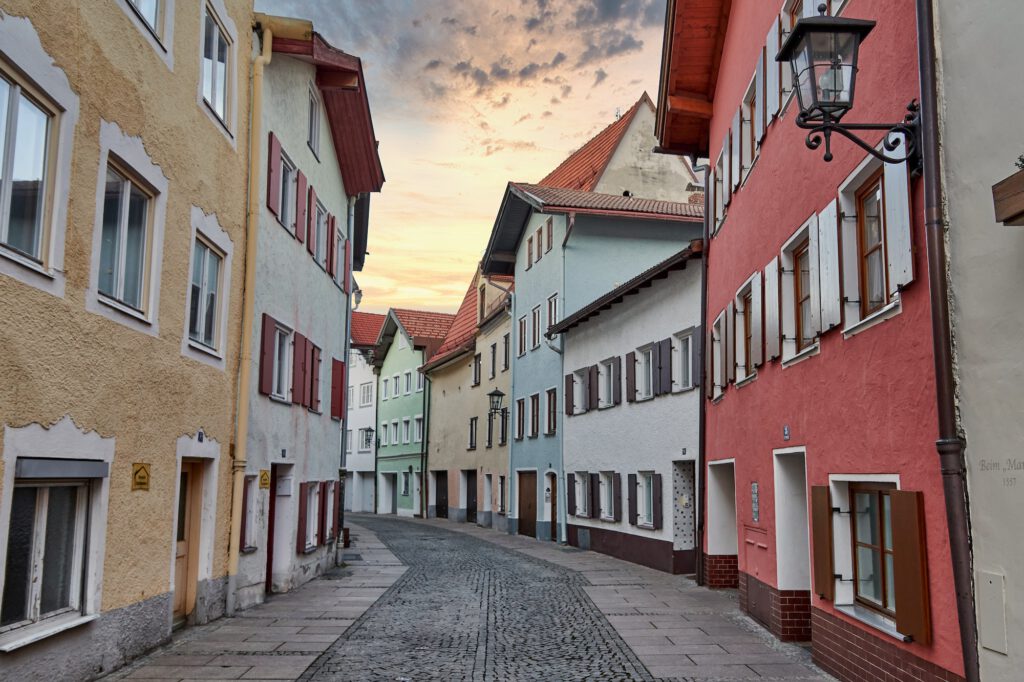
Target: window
(46, 551)
(534, 415)
(719, 190)
(549, 230)
(505, 343)
(340, 273)
(551, 425)
(216, 71)
(874, 290)
(321, 235)
(394, 432)
(472, 433)
(397, 384)
(313, 138)
(802, 295)
(282, 358)
(535, 336)
(718, 356)
(286, 212)
(248, 534)
(476, 369)
(124, 249)
(607, 495)
(552, 310)
(365, 440)
(351, 392)
(406, 431)
(607, 380)
(405, 484)
(490, 429)
(383, 433)
(312, 514)
(408, 383)
(418, 430)
(348, 440)
(529, 252)
(682, 363)
(582, 493)
(366, 394)
(149, 11)
(750, 110)
(501, 494)
(494, 360)
(420, 380)
(26, 138)
(647, 497)
(520, 418)
(503, 427)
(522, 336)
(873, 560)
(384, 389)
(205, 294)
(540, 243)
(645, 380)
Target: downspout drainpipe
(950, 445)
(424, 448)
(702, 460)
(339, 540)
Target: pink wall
(864, 405)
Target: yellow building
(123, 149)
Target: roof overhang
(451, 356)
(690, 59)
(361, 228)
(500, 255)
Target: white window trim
(395, 433)
(888, 311)
(544, 408)
(641, 396)
(252, 513)
(362, 386)
(384, 393)
(407, 377)
(161, 38)
(406, 430)
(417, 429)
(522, 332)
(717, 350)
(606, 399)
(312, 516)
(582, 486)
(748, 159)
(289, 355)
(606, 488)
(421, 381)
(131, 153)
(787, 311)
(554, 320)
(23, 48)
(678, 361)
(642, 520)
(536, 319)
(209, 227)
(221, 16)
(383, 434)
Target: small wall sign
(755, 503)
(785, 432)
(264, 479)
(140, 476)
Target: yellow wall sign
(140, 476)
(264, 479)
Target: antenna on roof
(618, 113)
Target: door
(528, 503)
(441, 494)
(186, 548)
(553, 486)
(275, 471)
(471, 496)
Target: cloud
(566, 90)
(546, 114)
(493, 146)
(505, 99)
(599, 77)
(609, 43)
(524, 117)
(499, 72)
(432, 64)
(557, 59)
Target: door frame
(552, 480)
(519, 496)
(193, 530)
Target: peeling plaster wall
(62, 360)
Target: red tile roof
(551, 199)
(422, 324)
(463, 330)
(366, 328)
(584, 167)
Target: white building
(361, 439)
(631, 427)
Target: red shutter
(321, 526)
(338, 388)
(332, 250)
(300, 206)
(656, 502)
(347, 281)
(337, 511)
(570, 493)
(300, 396)
(267, 355)
(617, 497)
(631, 377)
(666, 365)
(617, 380)
(313, 378)
(246, 485)
(631, 497)
(570, 390)
(311, 222)
(274, 175)
(300, 538)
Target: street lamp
(823, 53)
(495, 398)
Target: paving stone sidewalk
(279, 639)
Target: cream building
(467, 442)
(123, 135)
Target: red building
(824, 498)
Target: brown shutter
(910, 561)
(631, 377)
(311, 223)
(656, 502)
(666, 366)
(655, 369)
(274, 175)
(617, 380)
(696, 351)
(267, 335)
(321, 526)
(570, 493)
(821, 538)
(594, 503)
(570, 397)
(314, 379)
(337, 388)
(335, 522)
(300, 538)
(631, 497)
(246, 485)
(299, 395)
(300, 205)
(593, 385)
(617, 497)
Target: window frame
(881, 491)
(128, 181)
(384, 392)
(535, 319)
(749, 150)
(682, 362)
(645, 378)
(406, 430)
(477, 369)
(230, 44)
(320, 235)
(520, 432)
(417, 429)
(214, 251)
(607, 502)
(394, 433)
(366, 394)
(606, 379)
(406, 483)
(875, 180)
(501, 494)
(420, 381)
(312, 502)
(582, 493)
(801, 248)
(529, 252)
(506, 351)
(523, 330)
(408, 383)
(552, 310)
(551, 411)
(313, 122)
(645, 516)
(287, 193)
(503, 427)
(534, 415)
(382, 435)
(282, 371)
(549, 230)
(365, 443)
(473, 422)
(494, 360)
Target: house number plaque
(140, 476)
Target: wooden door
(471, 496)
(553, 483)
(528, 503)
(271, 517)
(186, 540)
(441, 495)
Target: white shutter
(898, 243)
(730, 344)
(726, 171)
(756, 355)
(759, 100)
(738, 337)
(736, 153)
(849, 257)
(813, 252)
(709, 193)
(773, 71)
(771, 309)
(828, 261)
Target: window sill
(470, 449)
(123, 309)
(890, 310)
(684, 389)
(47, 628)
(309, 549)
(610, 519)
(644, 398)
(549, 433)
(873, 620)
(646, 526)
(218, 120)
(605, 407)
(312, 411)
(740, 383)
(25, 261)
(203, 348)
(248, 550)
(280, 399)
(808, 352)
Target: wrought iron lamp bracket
(821, 128)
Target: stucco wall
(107, 376)
(401, 358)
(360, 371)
(980, 51)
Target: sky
(467, 95)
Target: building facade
(118, 416)
(468, 443)
(824, 494)
(632, 384)
(361, 439)
(407, 339)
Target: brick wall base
(851, 653)
(785, 613)
(721, 571)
